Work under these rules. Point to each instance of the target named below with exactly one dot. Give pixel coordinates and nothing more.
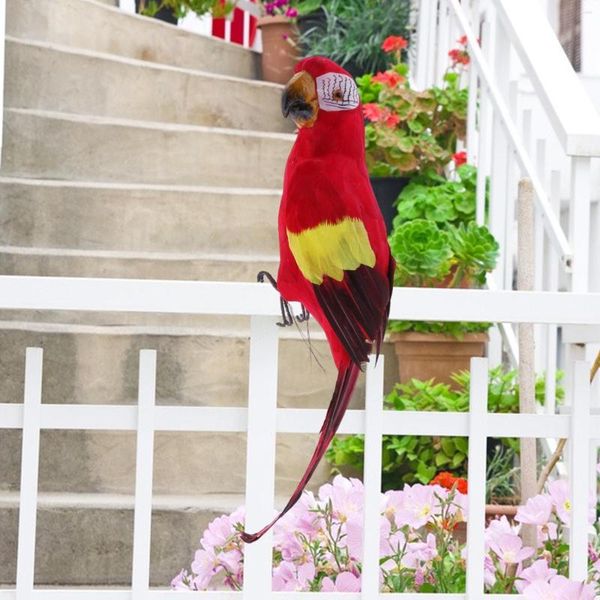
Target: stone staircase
(127, 155)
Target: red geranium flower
(373, 112)
(459, 158)
(392, 120)
(393, 43)
(459, 57)
(448, 481)
(389, 78)
(462, 40)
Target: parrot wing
(351, 271)
(354, 296)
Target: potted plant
(171, 11)
(351, 32)
(408, 133)
(279, 41)
(430, 255)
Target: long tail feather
(346, 381)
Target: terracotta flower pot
(435, 355)
(492, 511)
(280, 48)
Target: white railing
(529, 116)
(262, 420)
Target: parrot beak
(299, 100)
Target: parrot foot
(304, 315)
(287, 316)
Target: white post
(579, 222)
(551, 270)
(579, 441)
(30, 457)
(142, 521)
(485, 127)
(424, 47)
(372, 479)
(441, 61)
(260, 459)
(476, 476)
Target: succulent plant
(438, 199)
(475, 250)
(422, 252)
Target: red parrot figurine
(334, 254)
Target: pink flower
(344, 582)
(354, 538)
(538, 571)
(489, 571)
(559, 588)
(546, 532)
(291, 12)
(496, 528)
(536, 511)
(559, 493)
(509, 548)
(288, 577)
(346, 495)
(420, 552)
(180, 581)
(205, 565)
(416, 507)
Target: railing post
(579, 442)
(478, 392)
(372, 479)
(579, 222)
(30, 458)
(142, 520)
(260, 456)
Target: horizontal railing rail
(224, 298)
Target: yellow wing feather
(331, 248)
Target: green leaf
(448, 446)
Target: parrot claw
(287, 316)
(262, 275)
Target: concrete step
(49, 145)
(96, 536)
(46, 76)
(95, 26)
(138, 218)
(51, 262)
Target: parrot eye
(336, 92)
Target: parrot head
(319, 85)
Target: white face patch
(336, 92)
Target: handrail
(225, 298)
(551, 221)
(572, 114)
